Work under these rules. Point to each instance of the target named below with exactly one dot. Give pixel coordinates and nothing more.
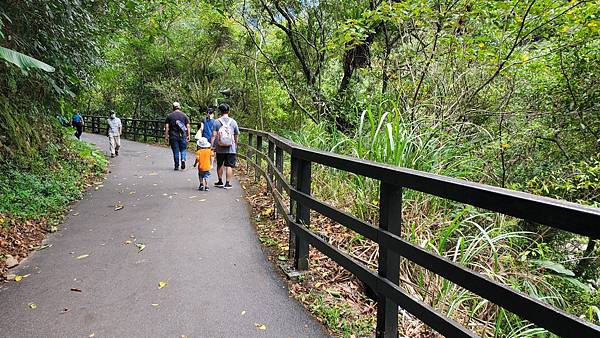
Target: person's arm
(212, 139)
(188, 131)
(82, 122)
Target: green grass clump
(49, 182)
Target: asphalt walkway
(198, 246)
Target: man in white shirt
(114, 133)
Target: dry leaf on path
(65, 310)
(32, 305)
(75, 290)
(18, 278)
(162, 284)
(93, 334)
(260, 326)
(82, 256)
(141, 247)
(119, 207)
(243, 313)
(155, 304)
(127, 242)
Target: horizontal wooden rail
(559, 214)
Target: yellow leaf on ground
(18, 278)
(162, 284)
(260, 326)
(127, 242)
(119, 207)
(82, 256)
(92, 335)
(33, 305)
(243, 312)
(155, 305)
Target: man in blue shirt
(77, 122)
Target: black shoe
(206, 188)
(116, 153)
(112, 155)
(176, 168)
(227, 186)
(201, 187)
(182, 165)
(219, 184)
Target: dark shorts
(203, 174)
(229, 160)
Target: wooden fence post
(249, 151)
(258, 159)
(302, 184)
(390, 219)
(271, 156)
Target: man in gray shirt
(114, 133)
(224, 140)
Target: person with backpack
(177, 134)
(77, 122)
(224, 140)
(114, 133)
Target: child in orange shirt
(204, 158)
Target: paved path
(202, 244)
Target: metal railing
(387, 234)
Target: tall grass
(482, 241)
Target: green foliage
(23, 61)
(52, 180)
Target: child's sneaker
(227, 186)
(201, 187)
(206, 188)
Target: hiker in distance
(177, 134)
(77, 122)
(114, 133)
(224, 140)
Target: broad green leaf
(23, 61)
(556, 267)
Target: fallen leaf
(18, 278)
(127, 242)
(203, 200)
(141, 247)
(75, 290)
(318, 284)
(132, 193)
(192, 197)
(155, 305)
(45, 246)
(82, 256)
(65, 310)
(32, 305)
(243, 313)
(153, 174)
(260, 326)
(119, 207)
(93, 334)
(162, 284)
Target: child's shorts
(203, 174)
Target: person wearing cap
(204, 158)
(114, 133)
(177, 134)
(224, 140)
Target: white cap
(176, 105)
(203, 143)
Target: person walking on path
(77, 122)
(114, 133)
(225, 134)
(207, 123)
(204, 158)
(177, 134)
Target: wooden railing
(387, 234)
(133, 129)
